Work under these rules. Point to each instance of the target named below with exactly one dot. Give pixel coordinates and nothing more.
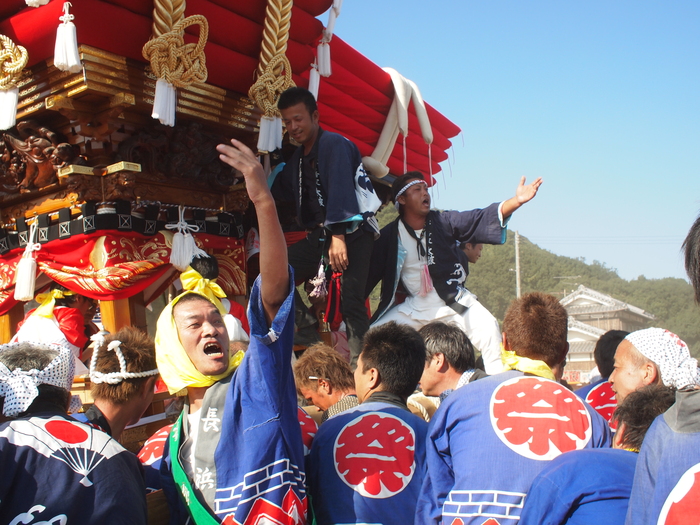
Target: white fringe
(270, 137)
(8, 107)
(164, 102)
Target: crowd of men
(408, 430)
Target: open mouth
(213, 350)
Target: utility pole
(517, 264)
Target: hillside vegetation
(492, 279)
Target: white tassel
(164, 102)
(323, 51)
(270, 137)
(66, 55)
(25, 278)
(184, 247)
(8, 107)
(36, 3)
(314, 81)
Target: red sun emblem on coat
(538, 418)
(374, 455)
(66, 431)
(308, 429)
(154, 446)
(681, 506)
(602, 399)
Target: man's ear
(506, 344)
(440, 362)
(619, 436)
(148, 386)
(650, 374)
(324, 386)
(374, 379)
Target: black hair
(638, 411)
(604, 353)
(295, 95)
(450, 341)
(691, 246)
(398, 353)
(206, 265)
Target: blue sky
(600, 98)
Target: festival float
(110, 113)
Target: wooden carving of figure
(38, 168)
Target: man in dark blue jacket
(419, 251)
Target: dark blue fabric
(582, 487)
(92, 481)
(671, 448)
(477, 226)
(472, 473)
(333, 499)
(583, 391)
(338, 161)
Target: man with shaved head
(665, 488)
(652, 356)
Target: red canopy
(353, 101)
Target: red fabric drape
(110, 265)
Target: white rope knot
(182, 226)
(67, 17)
(113, 378)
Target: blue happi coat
(582, 487)
(488, 441)
(250, 420)
(366, 465)
(666, 485)
(56, 470)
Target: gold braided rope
(274, 72)
(176, 62)
(270, 84)
(13, 58)
(278, 17)
(166, 13)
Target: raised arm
(274, 272)
(523, 194)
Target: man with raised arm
(419, 251)
(235, 454)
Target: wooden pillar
(8, 322)
(123, 312)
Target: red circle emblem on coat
(374, 454)
(682, 504)
(538, 418)
(602, 400)
(66, 431)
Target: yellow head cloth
(174, 364)
(511, 361)
(192, 281)
(48, 301)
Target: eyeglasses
(318, 378)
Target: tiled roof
(582, 347)
(596, 302)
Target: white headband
(668, 352)
(19, 387)
(113, 378)
(403, 190)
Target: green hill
(492, 279)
